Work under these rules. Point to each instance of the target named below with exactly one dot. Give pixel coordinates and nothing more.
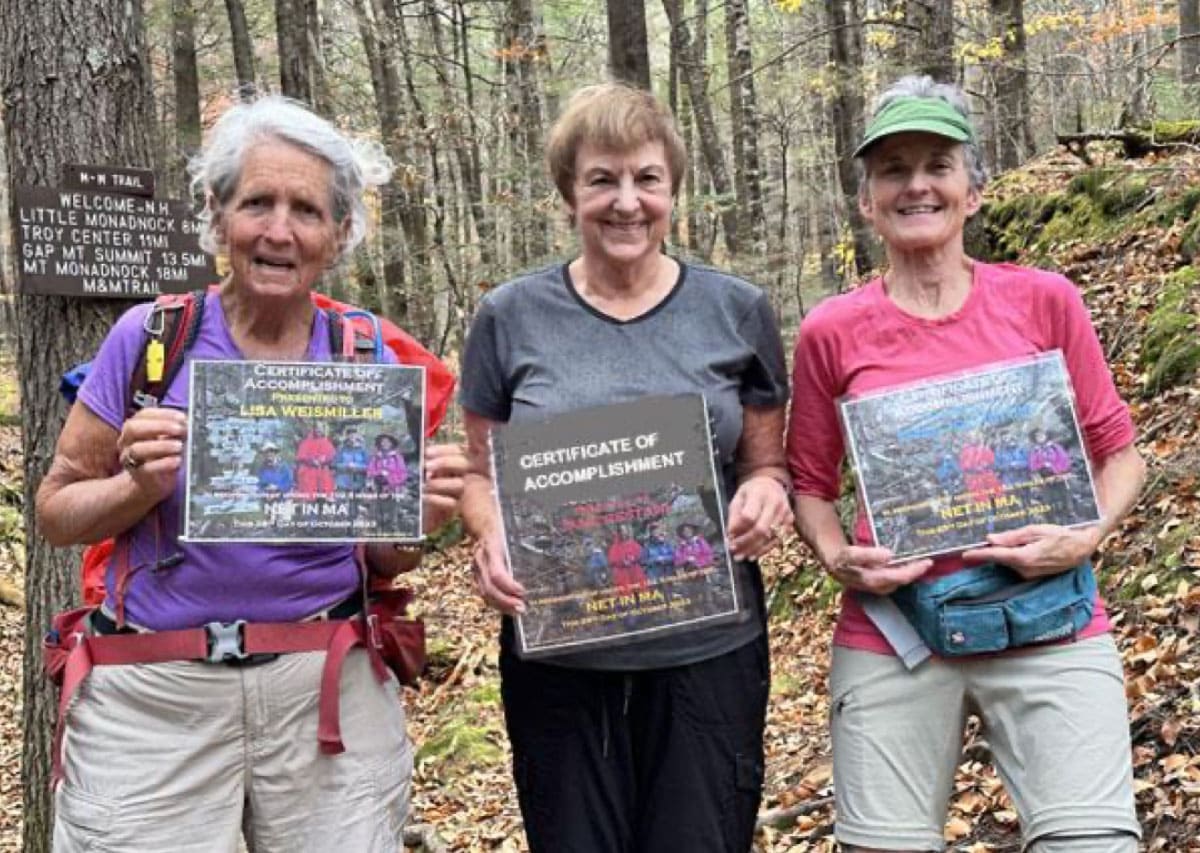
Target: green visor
(911, 113)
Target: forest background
(1084, 109)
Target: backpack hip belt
(72, 651)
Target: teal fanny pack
(990, 608)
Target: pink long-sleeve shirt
(861, 341)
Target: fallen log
(1136, 142)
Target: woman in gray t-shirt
(656, 744)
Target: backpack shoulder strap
(171, 328)
(347, 342)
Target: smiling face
(918, 192)
(622, 202)
(278, 225)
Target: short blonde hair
(615, 117)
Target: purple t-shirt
(220, 582)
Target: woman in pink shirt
(1054, 715)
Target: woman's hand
(492, 577)
(1037, 550)
(150, 450)
(444, 468)
(758, 514)
(869, 569)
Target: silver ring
(130, 462)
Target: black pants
(658, 760)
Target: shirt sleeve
(484, 386)
(1103, 417)
(106, 389)
(814, 437)
(765, 381)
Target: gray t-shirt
(537, 349)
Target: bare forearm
(89, 511)
(818, 524)
(479, 506)
(1119, 480)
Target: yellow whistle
(155, 357)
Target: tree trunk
(692, 67)
(385, 85)
(1013, 132)
(1189, 45)
(243, 49)
(743, 109)
(846, 113)
(416, 308)
(934, 21)
(317, 29)
(463, 133)
(628, 51)
(525, 53)
(187, 91)
(77, 91)
(291, 33)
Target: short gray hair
(356, 165)
(924, 86)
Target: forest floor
(1125, 254)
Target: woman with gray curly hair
(1052, 711)
(189, 752)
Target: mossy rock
(1180, 207)
(1170, 352)
(1114, 194)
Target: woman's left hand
(1037, 550)
(445, 465)
(758, 515)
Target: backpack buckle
(225, 641)
(144, 400)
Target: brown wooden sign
(110, 179)
(77, 243)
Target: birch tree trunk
(75, 79)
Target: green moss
(1114, 193)
(1180, 207)
(1174, 131)
(466, 734)
(1170, 351)
(1087, 183)
(485, 694)
(458, 742)
(1164, 570)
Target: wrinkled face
(278, 225)
(918, 193)
(622, 202)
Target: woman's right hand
(869, 569)
(492, 577)
(150, 450)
